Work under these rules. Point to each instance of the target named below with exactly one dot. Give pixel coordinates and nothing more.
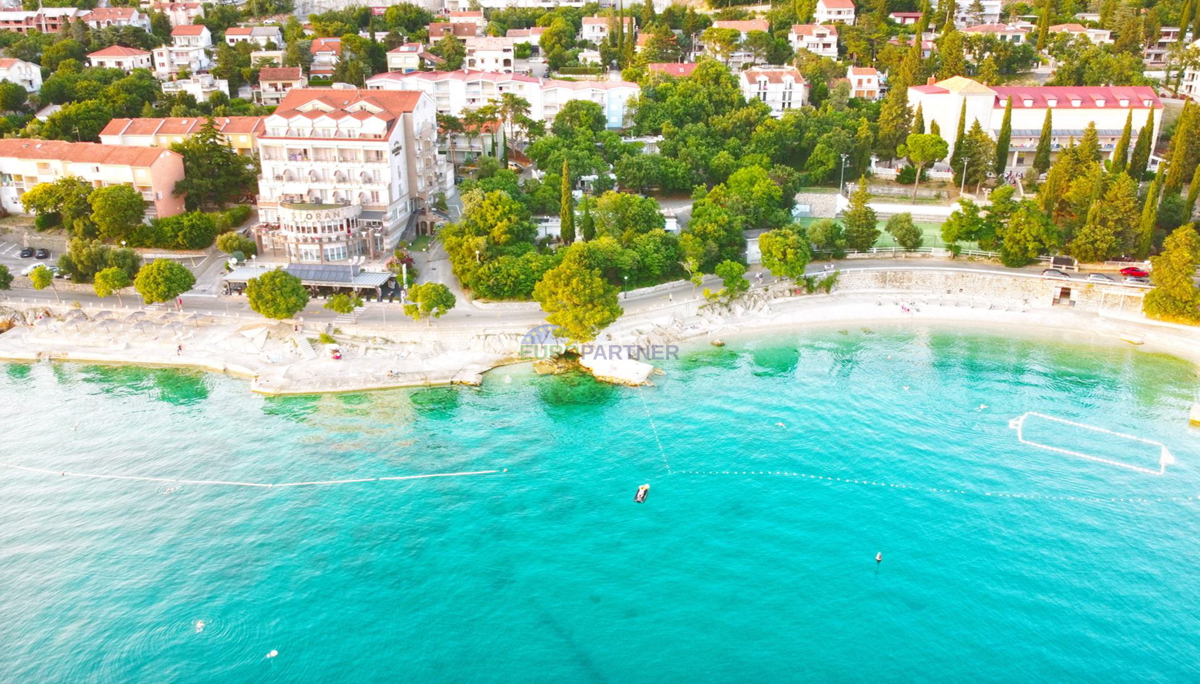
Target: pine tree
(1193, 193)
(1004, 140)
(894, 121)
(1141, 150)
(919, 121)
(1089, 144)
(959, 137)
(954, 61)
(1149, 219)
(1120, 157)
(567, 207)
(1041, 158)
(934, 128)
(1179, 150)
(503, 149)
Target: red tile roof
(672, 68)
(777, 75)
(109, 14)
(280, 74)
(333, 45)
(811, 29)
(836, 4)
(118, 51)
(181, 125)
(394, 102)
(1088, 97)
(864, 71)
(744, 26)
(90, 153)
(189, 30)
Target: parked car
(42, 253)
(26, 253)
(1099, 278)
(1055, 274)
(1135, 272)
(30, 268)
(1139, 280)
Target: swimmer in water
(982, 406)
(879, 557)
(780, 425)
(273, 653)
(199, 626)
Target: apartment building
(1158, 51)
(834, 11)
(455, 92)
(972, 12)
(46, 20)
(781, 88)
(344, 171)
(906, 18)
(180, 13)
(25, 74)
(1072, 109)
(818, 39)
(475, 18)
(103, 17)
(152, 171)
(410, 57)
(120, 57)
(741, 56)
(440, 29)
(1006, 33)
(262, 36)
(240, 132)
(274, 83)
(1190, 87)
(199, 86)
(494, 54)
(189, 50)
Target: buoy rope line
(230, 483)
(654, 428)
(939, 490)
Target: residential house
(834, 11)
(189, 50)
(1096, 35)
(118, 57)
(972, 12)
(905, 18)
(740, 55)
(45, 20)
(864, 82)
(1190, 87)
(493, 54)
(1159, 51)
(344, 171)
(180, 13)
(1005, 33)
(410, 57)
(274, 83)
(25, 74)
(782, 88)
(816, 38)
(199, 86)
(441, 29)
(103, 17)
(150, 170)
(326, 52)
(674, 69)
(263, 36)
(595, 29)
(1072, 109)
(475, 18)
(239, 132)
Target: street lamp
(964, 180)
(842, 182)
(626, 287)
(477, 256)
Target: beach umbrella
(135, 316)
(103, 315)
(168, 316)
(74, 315)
(195, 318)
(142, 327)
(107, 325)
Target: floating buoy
(879, 557)
(272, 653)
(642, 492)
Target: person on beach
(179, 350)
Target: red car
(1134, 272)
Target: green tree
(41, 278)
(1120, 156)
(276, 294)
(922, 149)
(965, 223)
(78, 122)
(785, 251)
(111, 281)
(567, 207)
(733, 279)
(827, 235)
(1140, 158)
(116, 210)
(1177, 167)
(428, 301)
(1028, 234)
(587, 224)
(233, 242)
(954, 61)
(1193, 190)
(344, 303)
(577, 300)
(64, 201)
(1003, 140)
(861, 222)
(959, 138)
(1175, 296)
(214, 174)
(894, 121)
(979, 153)
(6, 279)
(163, 280)
(1149, 219)
(12, 97)
(1043, 25)
(905, 232)
(453, 50)
(1041, 157)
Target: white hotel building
(344, 172)
(454, 92)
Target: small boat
(642, 492)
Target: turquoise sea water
(549, 571)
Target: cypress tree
(503, 148)
(1044, 26)
(1193, 193)
(1141, 150)
(956, 155)
(587, 226)
(934, 128)
(1196, 22)
(919, 121)
(1149, 219)
(1041, 158)
(1004, 140)
(894, 122)
(1121, 154)
(1179, 144)
(567, 209)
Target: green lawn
(420, 244)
